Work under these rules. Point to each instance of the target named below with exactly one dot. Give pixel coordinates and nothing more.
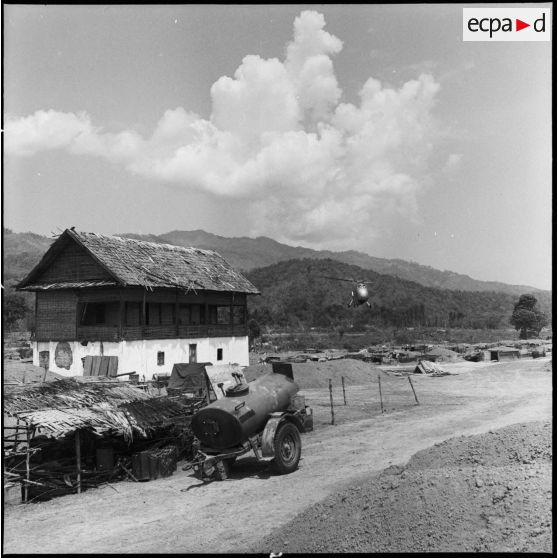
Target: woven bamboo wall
(56, 316)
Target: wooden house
(149, 304)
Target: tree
(254, 330)
(527, 318)
(15, 309)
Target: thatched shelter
(59, 408)
(98, 411)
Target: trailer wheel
(287, 446)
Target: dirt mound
(484, 493)
(310, 375)
(444, 355)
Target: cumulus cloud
(453, 162)
(308, 165)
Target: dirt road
(179, 515)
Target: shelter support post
(78, 461)
(16, 433)
(27, 465)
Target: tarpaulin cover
(189, 377)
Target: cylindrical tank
(230, 421)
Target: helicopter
(359, 294)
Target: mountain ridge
(248, 253)
(23, 250)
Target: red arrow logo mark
(519, 25)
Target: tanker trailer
(265, 416)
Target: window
(159, 313)
(100, 313)
(44, 359)
(184, 314)
(219, 354)
(193, 352)
(202, 317)
(191, 314)
(168, 314)
(160, 358)
(133, 313)
(152, 313)
(219, 314)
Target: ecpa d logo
(506, 24)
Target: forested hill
(249, 253)
(296, 293)
(24, 250)
(21, 252)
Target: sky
(366, 127)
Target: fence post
(381, 400)
(78, 461)
(413, 388)
(331, 402)
(343, 384)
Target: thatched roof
(131, 262)
(147, 415)
(107, 407)
(21, 372)
(58, 408)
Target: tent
(202, 379)
(190, 378)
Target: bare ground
(473, 494)
(180, 515)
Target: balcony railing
(115, 333)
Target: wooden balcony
(129, 333)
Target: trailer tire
(288, 447)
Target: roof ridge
(147, 242)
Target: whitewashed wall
(141, 356)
